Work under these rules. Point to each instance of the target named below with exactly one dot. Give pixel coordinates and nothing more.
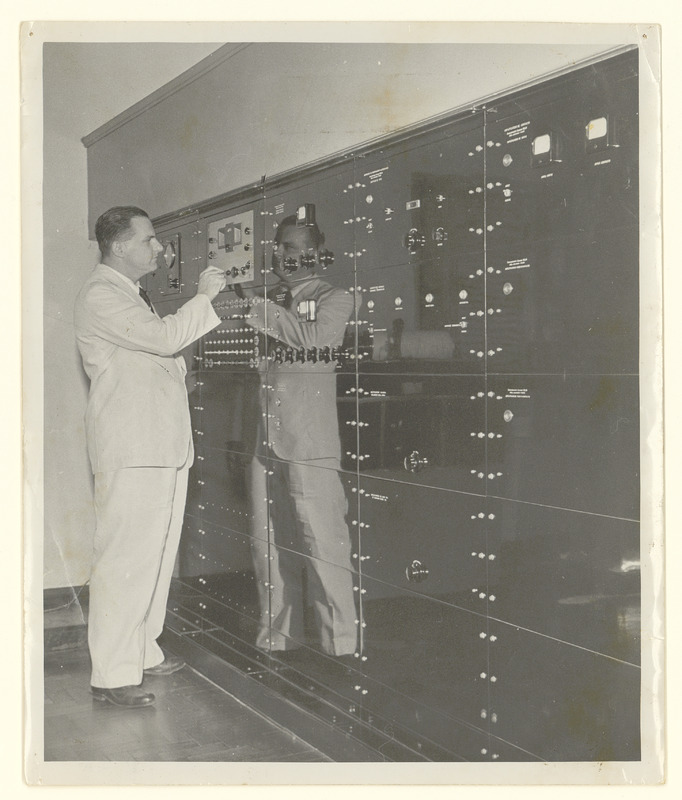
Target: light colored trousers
(302, 529)
(139, 514)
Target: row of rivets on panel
(356, 457)
(491, 270)
(224, 510)
(480, 313)
(481, 353)
(479, 231)
(483, 595)
(479, 147)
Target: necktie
(145, 297)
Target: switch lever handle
(414, 462)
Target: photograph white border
(86, 773)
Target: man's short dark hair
(291, 221)
(114, 224)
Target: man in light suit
(140, 447)
(306, 526)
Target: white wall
(275, 106)
(74, 104)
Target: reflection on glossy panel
(570, 441)
(423, 318)
(561, 701)
(332, 198)
(421, 203)
(308, 601)
(422, 540)
(569, 575)
(427, 651)
(423, 429)
(310, 508)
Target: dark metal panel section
(564, 305)
(420, 655)
(228, 410)
(422, 540)
(562, 702)
(217, 490)
(571, 442)
(564, 161)
(568, 575)
(227, 582)
(423, 318)
(423, 429)
(423, 201)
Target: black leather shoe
(126, 696)
(168, 666)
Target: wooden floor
(192, 720)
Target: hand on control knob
(211, 281)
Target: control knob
(416, 572)
(414, 240)
(415, 463)
(326, 258)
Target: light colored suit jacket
(137, 413)
(301, 397)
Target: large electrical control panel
(484, 401)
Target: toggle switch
(416, 572)
(414, 462)
(414, 240)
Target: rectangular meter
(231, 247)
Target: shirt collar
(124, 279)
